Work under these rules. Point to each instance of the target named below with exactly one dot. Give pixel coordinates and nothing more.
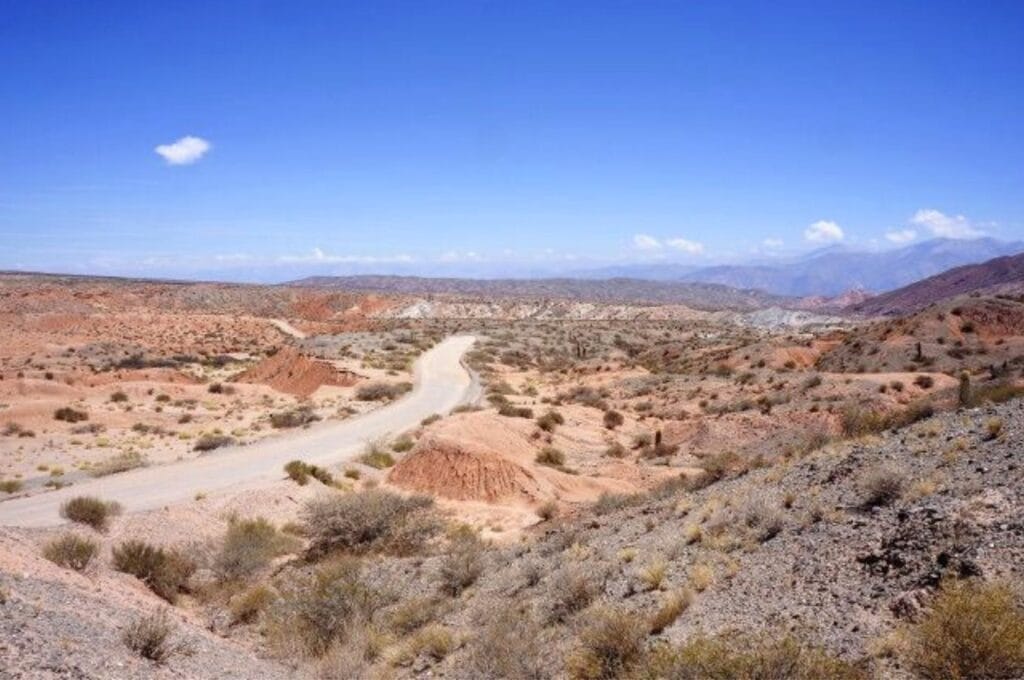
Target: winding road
(441, 382)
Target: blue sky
(499, 136)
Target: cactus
(964, 396)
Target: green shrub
(90, 511)
(376, 456)
(71, 551)
(165, 572)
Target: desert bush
(551, 457)
(971, 632)
(248, 546)
(716, 468)
(609, 502)
(376, 456)
(510, 411)
(882, 486)
(571, 590)
(547, 510)
(616, 450)
(70, 415)
(118, 397)
(763, 518)
(295, 417)
(370, 520)
(736, 655)
(316, 611)
(382, 391)
(122, 462)
(994, 393)
(462, 565)
(608, 646)
(550, 420)
(403, 444)
(10, 485)
(71, 551)
(993, 428)
(165, 572)
(410, 615)
(90, 511)
(209, 442)
(247, 606)
(300, 472)
(150, 636)
(925, 382)
(506, 647)
(613, 419)
(670, 609)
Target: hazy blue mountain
(835, 270)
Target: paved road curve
(441, 383)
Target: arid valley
(304, 480)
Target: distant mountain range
(830, 271)
(707, 296)
(999, 274)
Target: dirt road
(441, 383)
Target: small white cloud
(823, 231)
(945, 226)
(685, 245)
(772, 243)
(185, 151)
(901, 235)
(645, 242)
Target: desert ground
(212, 480)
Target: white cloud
(645, 242)
(901, 235)
(946, 226)
(772, 243)
(685, 245)
(823, 231)
(185, 151)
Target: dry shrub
(411, 615)
(300, 472)
(972, 632)
(507, 647)
(613, 419)
(164, 571)
(736, 655)
(122, 462)
(296, 417)
(377, 456)
(551, 457)
(318, 611)
(381, 391)
(90, 511)
(461, 565)
(547, 510)
(510, 411)
(763, 518)
(550, 420)
(716, 468)
(150, 636)
(571, 590)
(71, 551)
(209, 442)
(247, 606)
(882, 486)
(249, 545)
(670, 609)
(368, 521)
(610, 644)
(70, 415)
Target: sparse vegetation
(373, 520)
(150, 636)
(90, 511)
(71, 551)
(165, 572)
